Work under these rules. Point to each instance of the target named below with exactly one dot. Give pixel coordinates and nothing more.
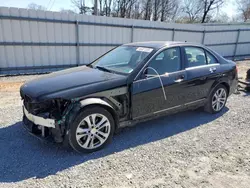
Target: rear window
(211, 59)
(195, 56)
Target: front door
(161, 86)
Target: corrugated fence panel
(244, 36)
(243, 49)
(188, 36)
(221, 37)
(32, 41)
(151, 35)
(227, 50)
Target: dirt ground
(186, 150)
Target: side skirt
(188, 106)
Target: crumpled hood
(71, 83)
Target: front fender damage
(115, 101)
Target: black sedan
(84, 106)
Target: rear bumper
(234, 86)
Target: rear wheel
(92, 129)
(217, 100)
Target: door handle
(212, 69)
(179, 78)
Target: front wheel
(217, 99)
(91, 130)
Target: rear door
(202, 70)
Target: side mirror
(145, 75)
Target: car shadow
(246, 93)
(24, 156)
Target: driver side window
(167, 61)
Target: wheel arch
(100, 102)
(218, 82)
(226, 85)
(90, 102)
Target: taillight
(236, 69)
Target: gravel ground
(190, 149)
(243, 66)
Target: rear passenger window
(195, 56)
(211, 59)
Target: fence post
(77, 44)
(236, 44)
(132, 33)
(203, 37)
(173, 34)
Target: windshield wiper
(89, 65)
(103, 68)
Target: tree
(35, 6)
(147, 9)
(107, 7)
(123, 8)
(244, 9)
(68, 11)
(156, 9)
(169, 9)
(193, 9)
(163, 10)
(236, 18)
(221, 18)
(80, 4)
(136, 14)
(208, 6)
(200, 10)
(95, 9)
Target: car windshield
(123, 59)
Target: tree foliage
(80, 5)
(244, 9)
(208, 6)
(35, 6)
(193, 10)
(157, 10)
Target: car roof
(161, 44)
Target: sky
(57, 5)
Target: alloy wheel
(93, 131)
(219, 99)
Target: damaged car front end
(46, 118)
(82, 106)
(51, 113)
(53, 117)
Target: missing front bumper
(46, 122)
(37, 130)
(42, 128)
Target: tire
(92, 129)
(215, 105)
